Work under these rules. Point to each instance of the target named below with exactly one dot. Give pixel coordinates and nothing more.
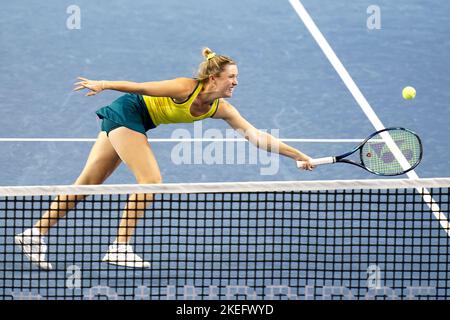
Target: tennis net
(347, 239)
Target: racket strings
(378, 157)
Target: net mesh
(374, 239)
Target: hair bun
(206, 52)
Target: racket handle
(318, 161)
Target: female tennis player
(123, 138)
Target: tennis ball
(409, 93)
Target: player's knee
(91, 178)
(96, 172)
(154, 179)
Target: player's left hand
(93, 85)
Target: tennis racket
(388, 152)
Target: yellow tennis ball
(409, 93)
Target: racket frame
(341, 158)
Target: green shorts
(127, 111)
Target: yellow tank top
(166, 110)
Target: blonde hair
(213, 64)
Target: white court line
(365, 106)
(179, 140)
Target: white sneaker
(122, 254)
(34, 247)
